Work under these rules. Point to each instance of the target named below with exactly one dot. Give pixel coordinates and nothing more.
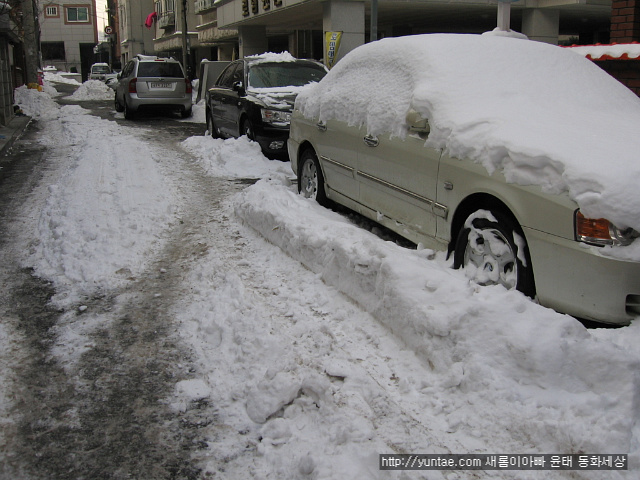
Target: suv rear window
(159, 69)
(100, 69)
(284, 74)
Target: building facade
(12, 65)
(229, 29)
(68, 34)
(305, 23)
(175, 31)
(134, 37)
(213, 43)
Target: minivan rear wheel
(128, 113)
(117, 104)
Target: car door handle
(321, 126)
(371, 141)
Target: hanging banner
(333, 44)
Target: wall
(626, 71)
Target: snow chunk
(277, 390)
(233, 158)
(195, 389)
(36, 104)
(93, 90)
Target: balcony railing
(167, 20)
(204, 5)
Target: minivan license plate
(160, 85)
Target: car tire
(211, 126)
(310, 178)
(247, 130)
(186, 113)
(117, 104)
(128, 113)
(495, 247)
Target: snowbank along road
(171, 308)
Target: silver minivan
(149, 82)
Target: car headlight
(276, 117)
(601, 232)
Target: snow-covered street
(206, 321)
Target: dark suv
(148, 82)
(254, 96)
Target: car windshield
(100, 69)
(159, 69)
(284, 74)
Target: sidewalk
(9, 133)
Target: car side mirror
(417, 124)
(118, 76)
(238, 87)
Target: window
(128, 69)
(51, 11)
(52, 50)
(226, 79)
(77, 14)
(282, 74)
(159, 69)
(100, 69)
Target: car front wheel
(310, 178)
(247, 129)
(492, 249)
(211, 126)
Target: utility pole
(185, 40)
(31, 50)
(374, 20)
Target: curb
(11, 132)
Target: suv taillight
(189, 87)
(133, 88)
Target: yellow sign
(333, 44)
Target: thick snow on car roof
(271, 57)
(539, 113)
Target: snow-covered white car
(99, 71)
(519, 158)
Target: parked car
(99, 71)
(111, 80)
(254, 96)
(148, 82)
(505, 152)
